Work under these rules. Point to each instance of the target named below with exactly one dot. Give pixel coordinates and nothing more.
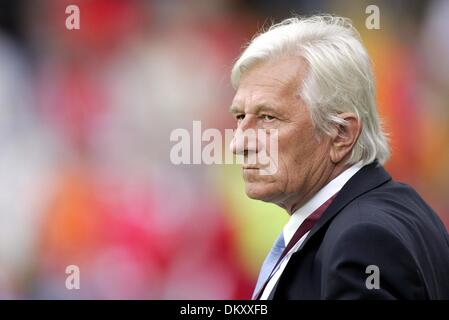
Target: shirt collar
(330, 189)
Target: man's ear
(345, 137)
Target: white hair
(339, 76)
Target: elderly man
(353, 232)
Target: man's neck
(330, 174)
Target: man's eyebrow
(257, 109)
(235, 109)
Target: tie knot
(279, 244)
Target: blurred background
(85, 121)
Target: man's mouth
(250, 168)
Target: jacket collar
(369, 177)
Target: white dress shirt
(298, 217)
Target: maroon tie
(299, 233)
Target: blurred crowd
(85, 121)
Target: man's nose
(245, 139)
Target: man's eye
(240, 117)
(266, 117)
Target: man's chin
(259, 193)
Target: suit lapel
(368, 178)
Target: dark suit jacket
(374, 220)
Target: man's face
(267, 98)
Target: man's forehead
(267, 82)
(279, 74)
(253, 95)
